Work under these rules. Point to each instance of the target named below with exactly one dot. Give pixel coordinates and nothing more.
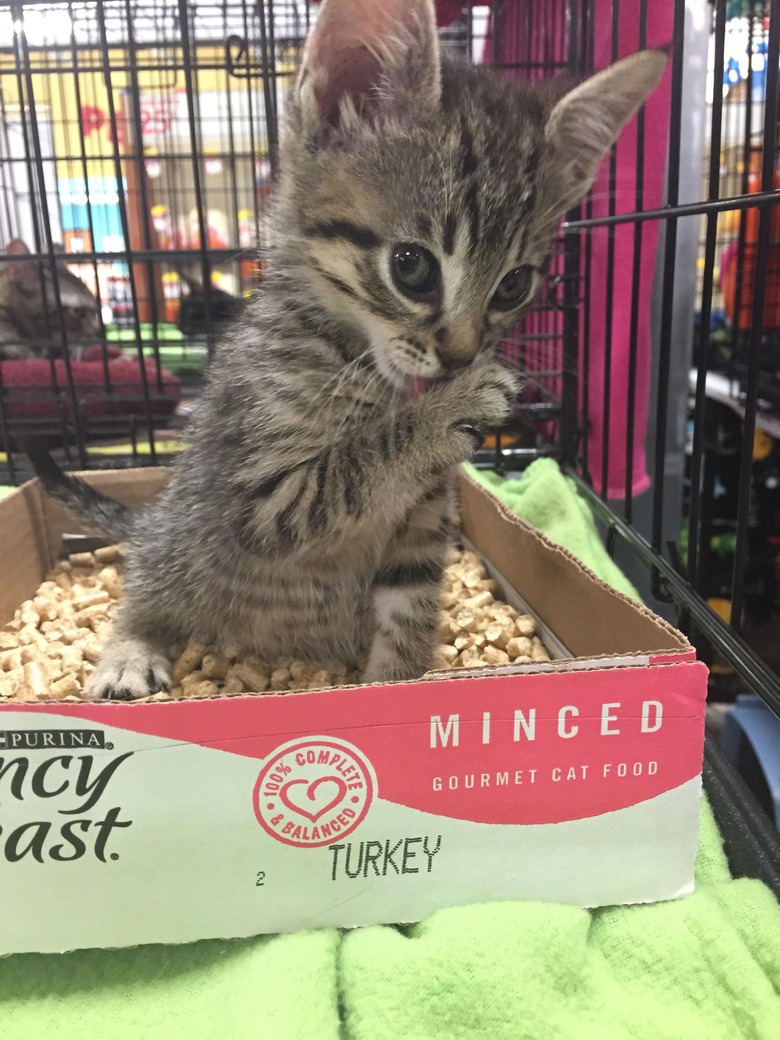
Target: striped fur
(311, 516)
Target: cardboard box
(576, 781)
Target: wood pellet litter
(49, 649)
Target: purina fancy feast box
(575, 781)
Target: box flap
(25, 547)
(590, 618)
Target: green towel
(548, 500)
(703, 968)
(281, 987)
(706, 967)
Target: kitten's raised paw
(129, 669)
(482, 398)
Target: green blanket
(706, 967)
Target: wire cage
(135, 155)
(689, 427)
(138, 147)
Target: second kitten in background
(31, 323)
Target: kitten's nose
(452, 361)
(457, 344)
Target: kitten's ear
(363, 51)
(193, 284)
(23, 275)
(16, 247)
(583, 125)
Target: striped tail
(96, 511)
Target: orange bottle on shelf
(738, 267)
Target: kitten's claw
(129, 669)
(480, 398)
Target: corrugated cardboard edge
(34, 523)
(26, 549)
(618, 624)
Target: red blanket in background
(28, 392)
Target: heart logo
(308, 787)
(303, 796)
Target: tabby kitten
(311, 515)
(31, 324)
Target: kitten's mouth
(422, 384)
(414, 385)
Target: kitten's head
(419, 193)
(31, 302)
(206, 312)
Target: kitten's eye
(513, 288)
(415, 270)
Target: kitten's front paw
(129, 669)
(397, 671)
(482, 398)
